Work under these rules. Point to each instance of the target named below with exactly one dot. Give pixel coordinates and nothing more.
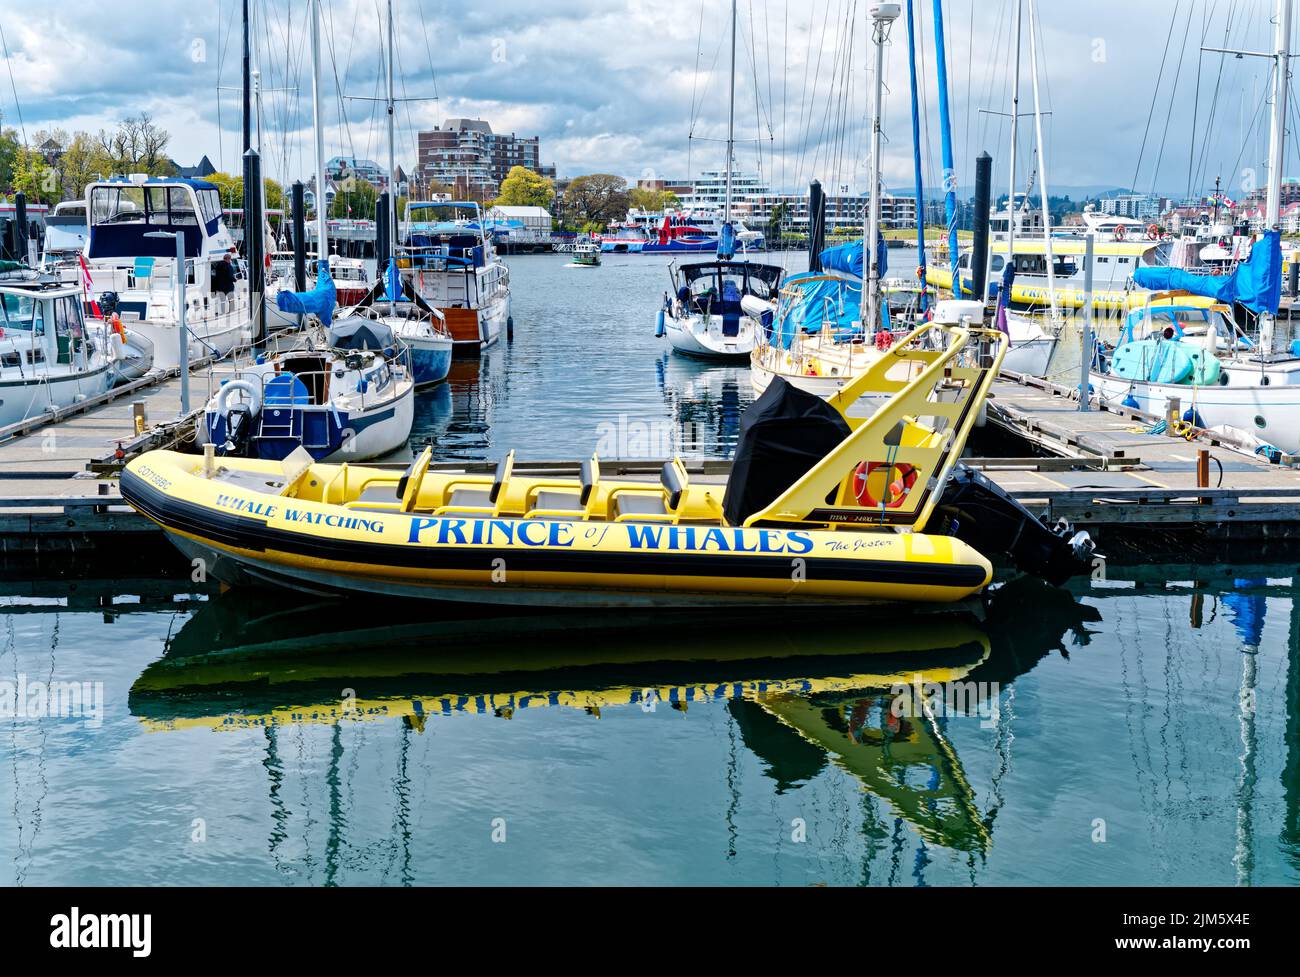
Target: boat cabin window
(998, 262)
(68, 328)
(116, 204)
(21, 312)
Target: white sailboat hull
(24, 398)
(701, 336)
(1270, 413)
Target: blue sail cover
(810, 301)
(392, 282)
(320, 301)
(1256, 283)
(847, 258)
(727, 242)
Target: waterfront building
(466, 153)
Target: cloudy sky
(638, 87)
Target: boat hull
(21, 399)
(213, 337)
(1271, 414)
(692, 337)
(250, 537)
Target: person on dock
(223, 281)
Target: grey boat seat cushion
(635, 504)
(481, 498)
(559, 501)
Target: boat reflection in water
(804, 692)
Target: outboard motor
(239, 426)
(979, 513)
(108, 303)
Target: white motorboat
(131, 254)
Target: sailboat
(393, 303)
(1254, 394)
(348, 395)
(831, 323)
(716, 308)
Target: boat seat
(558, 500)
(633, 504)
(472, 496)
(408, 487)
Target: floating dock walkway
(1102, 470)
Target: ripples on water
(366, 742)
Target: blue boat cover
(847, 258)
(320, 301)
(392, 282)
(1256, 283)
(809, 301)
(727, 242)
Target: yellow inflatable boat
(848, 526)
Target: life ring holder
(1119, 233)
(1153, 232)
(896, 489)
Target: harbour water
(1138, 729)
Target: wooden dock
(1102, 470)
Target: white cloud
(611, 86)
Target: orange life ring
(1153, 232)
(894, 490)
(1119, 232)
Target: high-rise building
(468, 155)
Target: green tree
(82, 161)
(9, 147)
(355, 199)
(653, 201)
(595, 200)
(137, 145)
(524, 188)
(780, 213)
(35, 178)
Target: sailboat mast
(1042, 158)
(392, 142)
(945, 132)
(731, 116)
(916, 153)
(1276, 135)
(1015, 128)
(318, 122)
(882, 15)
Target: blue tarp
(392, 282)
(727, 242)
(1256, 283)
(810, 300)
(320, 301)
(847, 258)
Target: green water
(1143, 729)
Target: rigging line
(816, 75)
(1214, 101)
(1173, 91)
(1196, 99)
(1155, 95)
(12, 84)
(695, 78)
(433, 74)
(803, 97)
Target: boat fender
(249, 389)
(659, 325)
(895, 489)
(1193, 417)
(510, 329)
(1131, 402)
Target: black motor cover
(979, 513)
(783, 434)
